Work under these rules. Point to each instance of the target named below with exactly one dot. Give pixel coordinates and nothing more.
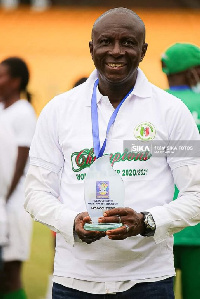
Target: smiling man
(115, 104)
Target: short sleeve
(8, 156)
(184, 136)
(45, 149)
(24, 127)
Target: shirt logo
(145, 131)
(84, 158)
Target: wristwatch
(149, 225)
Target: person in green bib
(181, 64)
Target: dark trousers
(1, 261)
(148, 290)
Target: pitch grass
(36, 271)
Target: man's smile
(115, 65)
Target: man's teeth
(115, 65)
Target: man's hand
(131, 220)
(85, 235)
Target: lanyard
(95, 124)
(179, 88)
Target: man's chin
(114, 79)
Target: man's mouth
(115, 65)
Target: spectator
(35, 4)
(19, 115)
(181, 64)
(8, 155)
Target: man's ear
(192, 77)
(144, 49)
(91, 48)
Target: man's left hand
(132, 223)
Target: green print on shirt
(84, 158)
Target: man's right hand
(86, 235)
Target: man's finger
(111, 219)
(115, 211)
(117, 231)
(117, 237)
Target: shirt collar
(142, 88)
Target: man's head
(118, 45)
(181, 63)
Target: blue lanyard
(179, 88)
(95, 124)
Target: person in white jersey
(136, 260)
(8, 155)
(19, 115)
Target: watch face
(150, 222)
(150, 225)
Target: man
(181, 64)
(8, 155)
(136, 259)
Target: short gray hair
(123, 10)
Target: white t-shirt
(63, 145)
(8, 155)
(21, 119)
(1, 107)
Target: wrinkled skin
(117, 48)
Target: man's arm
(169, 218)
(19, 169)
(42, 202)
(185, 210)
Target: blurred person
(8, 155)
(9, 4)
(181, 64)
(136, 259)
(80, 81)
(19, 115)
(1, 105)
(35, 4)
(40, 5)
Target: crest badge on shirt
(145, 131)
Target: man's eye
(104, 41)
(128, 43)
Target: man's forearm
(45, 207)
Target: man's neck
(177, 80)
(11, 100)
(115, 91)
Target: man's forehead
(117, 19)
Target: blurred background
(52, 36)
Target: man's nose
(116, 49)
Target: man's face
(117, 47)
(7, 83)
